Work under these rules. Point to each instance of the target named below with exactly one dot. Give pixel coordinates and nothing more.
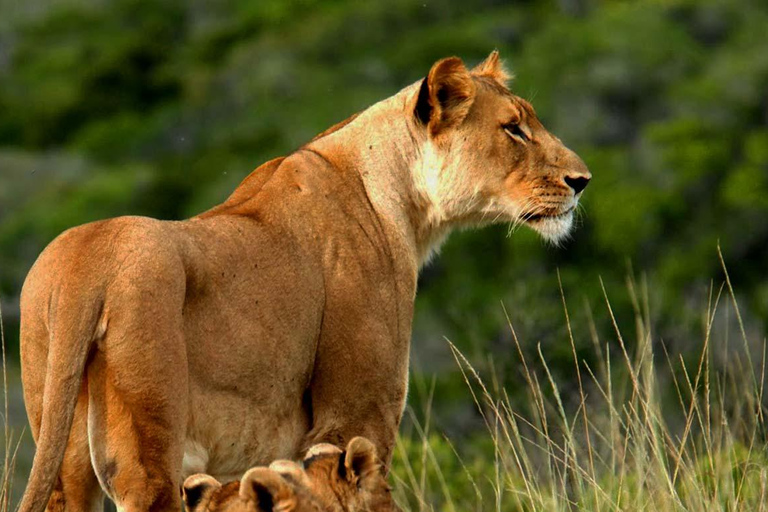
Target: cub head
(329, 480)
(260, 490)
(350, 480)
(486, 156)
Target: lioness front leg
(361, 379)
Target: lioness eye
(514, 131)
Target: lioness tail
(72, 332)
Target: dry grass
(621, 446)
(10, 447)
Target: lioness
(330, 480)
(282, 317)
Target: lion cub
(328, 480)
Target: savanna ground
(645, 429)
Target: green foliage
(83, 65)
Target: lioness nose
(578, 183)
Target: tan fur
(330, 480)
(260, 490)
(280, 318)
(493, 68)
(352, 480)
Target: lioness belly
(249, 370)
(227, 434)
(252, 319)
(247, 397)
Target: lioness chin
(152, 350)
(328, 480)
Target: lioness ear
(361, 464)
(445, 95)
(197, 491)
(268, 490)
(493, 68)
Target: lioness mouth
(533, 217)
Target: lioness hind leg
(137, 421)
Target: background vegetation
(160, 107)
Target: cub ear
(320, 449)
(197, 491)
(268, 490)
(492, 67)
(446, 95)
(361, 464)
(290, 470)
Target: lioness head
(487, 157)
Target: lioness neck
(385, 145)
